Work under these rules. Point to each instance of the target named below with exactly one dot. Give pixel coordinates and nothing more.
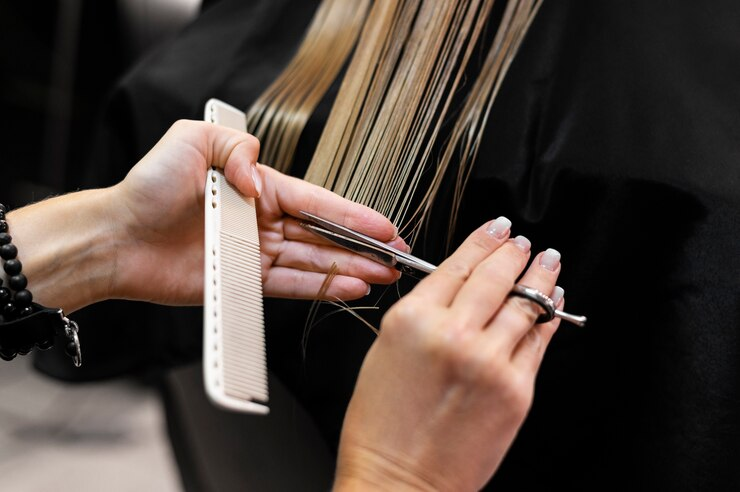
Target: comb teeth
(235, 360)
(241, 306)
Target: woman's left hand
(161, 207)
(446, 386)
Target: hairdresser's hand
(446, 386)
(161, 207)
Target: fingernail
(499, 227)
(557, 294)
(550, 259)
(368, 290)
(522, 243)
(256, 179)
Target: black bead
(13, 267)
(71, 349)
(26, 311)
(18, 282)
(5, 238)
(2, 319)
(23, 298)
(4, 295)
(3, 208)
(24, 350)
(8, 251)
(2, 215)
(8, 309)
(7, 354)
(3, 226)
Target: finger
(235, 152)
(319, 258)
(298, 284)
(518, 314)
(295, 195)
(490, 283)
(531, 348)
(441, 286)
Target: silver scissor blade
(360, 247)
(347, 232)
(402, 261)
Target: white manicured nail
(557, 294)
(550, 259)
(499, 227)
(522, 243)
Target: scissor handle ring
(538, 298)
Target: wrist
(67, 245)
(362, 468)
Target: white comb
(234, 361)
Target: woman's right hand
(450, 379)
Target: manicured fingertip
(557, 295)
(499, 228)
(550, 259)
(522, 243)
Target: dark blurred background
(58, 61)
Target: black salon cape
(616, 140)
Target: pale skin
(143, 238)
(445, 387)
(450, 379)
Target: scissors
(408, 264)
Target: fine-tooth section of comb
(234, 361)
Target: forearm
(68, 247)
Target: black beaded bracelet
(23, 323)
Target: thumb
(235, 152)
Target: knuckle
(254, 143)
(457, 269)
(313, 258)
(185, 126)
(494, 272)
(450, 343)
(470, 365)
(312, 200)
(465, 359)
(483, 241)
(181, 123)
(358, 216)
(403, 315)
